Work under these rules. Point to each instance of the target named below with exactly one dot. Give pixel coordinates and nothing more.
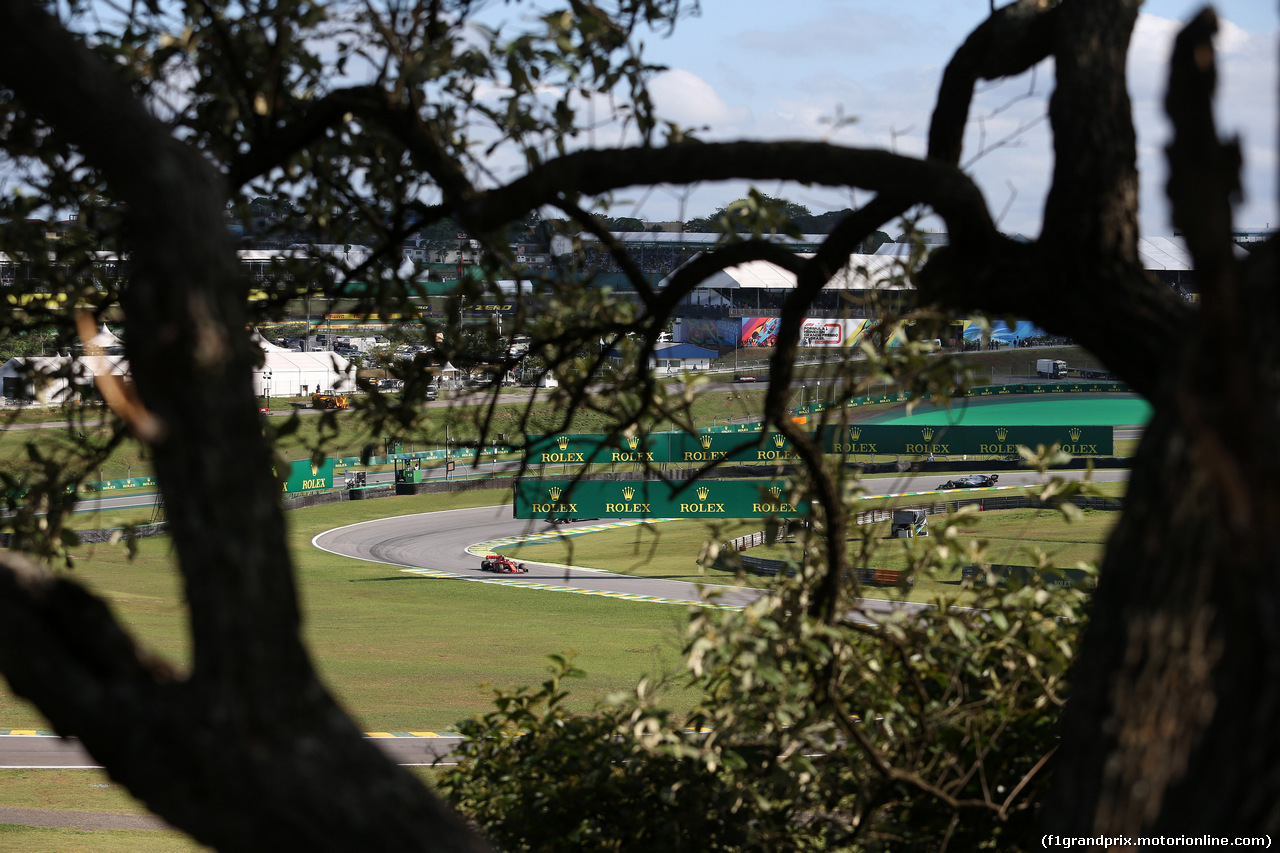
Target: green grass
(667, 550)
(92, 791)
(82, 790)
(402, 652)
(49, 840)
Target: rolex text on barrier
(564, 499)
(754, 446)
(944, 440)
(660, 447)
(570, 449)
(306, 476)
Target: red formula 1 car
(502, 565)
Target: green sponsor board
(306, 477)
(682, 448)
(660, 447)
(113, 485)
(749, 427)
(981, 391)
(554, 499)
(755, 446)
(585, 449)
(966, 440)
(1048, 388)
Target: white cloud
(686, 99)
(1245, 105)
(747, 70)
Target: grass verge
(402, 652)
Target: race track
(437, 543)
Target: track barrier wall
(889, 577)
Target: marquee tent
(48, 379)
(285, 373)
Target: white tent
(285, 373)
(47, 379)
(265, 344)
(103, 343)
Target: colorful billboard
(814, 332)
(759, 332)
(831, 333)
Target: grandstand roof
(863, 272)
(686, 351)
(1157, 253)
(697, 239)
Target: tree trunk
(249, 751)
(1170, 728)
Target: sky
(750, 69)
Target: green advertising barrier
(565, 499)
(682, 448)
(305, 476)
(1049, 388)
(114, 485)
(660, 447)
(750, 426)
(459, 453)
(982, 391)
(586, 448)
(966, 440)
(731, 447)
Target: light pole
(737, 339)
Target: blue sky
(764, 70)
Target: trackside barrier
(751, 540)
(902, 397)
(771, 568)
(1022, 575)
(114, 485)
(460, 454)
(890, 577)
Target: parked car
(970, 481)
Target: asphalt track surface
(438, 542)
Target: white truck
(1048, 368)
